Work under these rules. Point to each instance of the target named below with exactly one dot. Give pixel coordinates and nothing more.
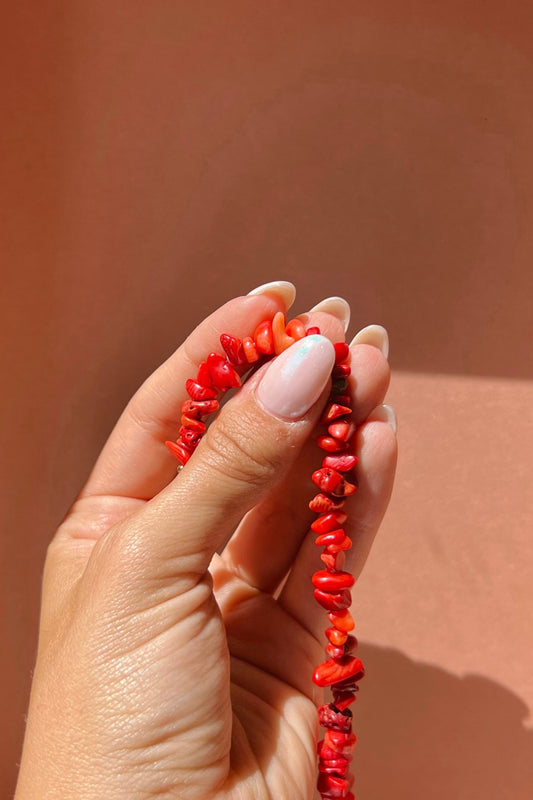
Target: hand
(173, 660)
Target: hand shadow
(425, 734)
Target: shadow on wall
(428, 735)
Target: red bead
(336, 637)
(333, 561)
(342, 462)
(335, 670)
(330, 717)
(195, 424)
(321, 502)
(296, 329)
(335, 766)
(328, 522)
(327, 479)
(330, 444)
(189, 437)
(344, 699)
(333, 601)
(341, 399)
(341, 430)
(233, 349)
(334, 651)
(222, 374)
(344, 489)
(199, 392)
(264, 338)
(341, 371)
(199, 408)
(326, 753)
(344, 545)
(351, 645)
(334, 411)
(179, 452)
(331, 538)
(203, 377)
(281, 340)
(340, 742)
(313, 331)
(342, 620)
(333, 786)
(250, 350)
(332, 581)
(342, 351)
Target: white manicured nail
(336, 306)
(376, 335)
(284, 289)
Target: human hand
(173, 661)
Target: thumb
(248, 448)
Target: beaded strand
(342, 670)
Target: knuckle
(237, 450)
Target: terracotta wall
(159, 158)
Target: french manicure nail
(296, 378)
(284, 289)
(336, 306)
(376, 335)
(384, 413)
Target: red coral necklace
(342, 670)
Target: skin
(178, 629)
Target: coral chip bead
(340, 741)
(232, 346)
(179, 452)
(342, 351)
(332, 581)
(336, 637)
(281, 339)
(264, 338)
(334, 411)
(333, 561)
(330, 444)
(250, 350)
(321, 502)
(333, 601)
(222, 374)
(313, 331)
(199, 408)
(343, 462)
(326, 753)
(341, 371)
(344, 699)
(342, 620)
(336, 670)
(329, 522)
(333, 786)
(189, 437)
(331, 717)
(199, 392)
(327, 479)
(342, 430)
(203, 376)
(195, 424)
(296, 329)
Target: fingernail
(376, 335)
(284, 289)
(336, 306)
(384, 413)
(296, 378)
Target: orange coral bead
(250, 349)
(281, 340)
(264, 338)
(179, 452)
(296, 329)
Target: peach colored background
(159, 158)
